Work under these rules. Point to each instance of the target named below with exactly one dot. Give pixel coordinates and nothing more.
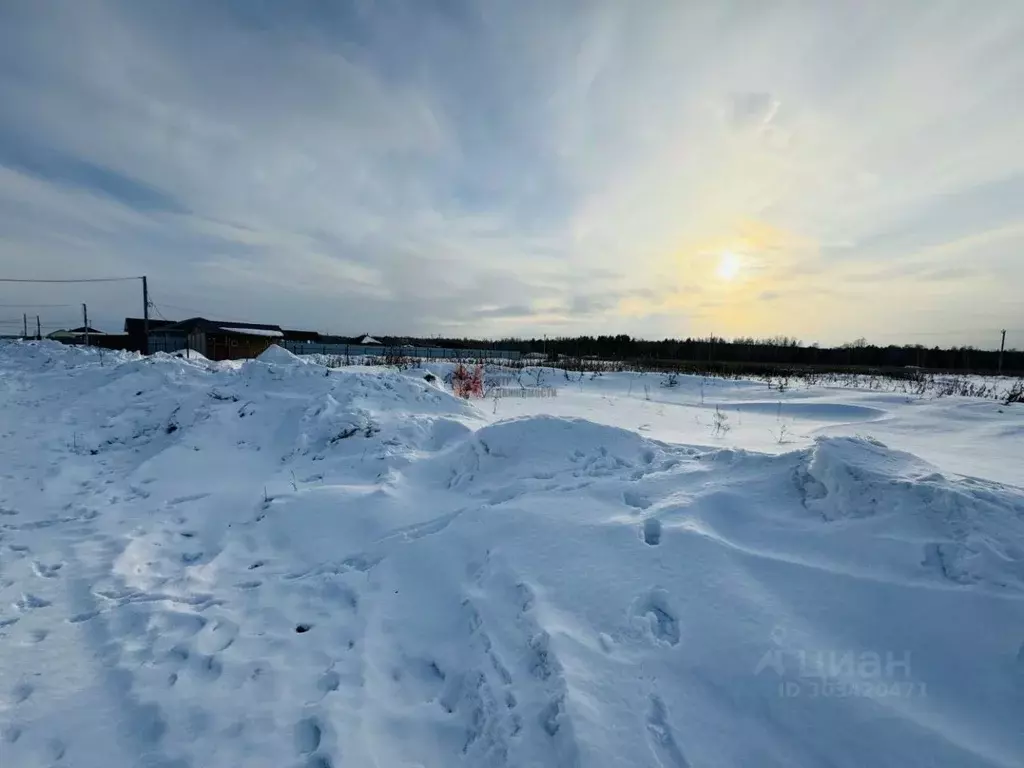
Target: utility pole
(145, 312)
(85, 320)
(24, 325)
(1002, 345)
(39, 330)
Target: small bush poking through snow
(466, 382)
(720, 425)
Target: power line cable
(183, 309)
(78, 280)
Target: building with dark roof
(135, 330)
(215, 339)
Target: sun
(729, 265)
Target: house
(75, 335)
(368, 339)
(535, 356)
(135, 329)
(94, 337)
(302, 337)
(214, 339)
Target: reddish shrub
(468, 382)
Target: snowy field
(277, 564)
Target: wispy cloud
(493, 168)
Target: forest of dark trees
(748, 353)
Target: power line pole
(85, 319)
(145, 312)
(1002, 345)
(24, 325)
(39, 330)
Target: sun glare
(728, 265)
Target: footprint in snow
(654, 612)
(44, 571)
(307, 735)
(29, 601)
(635, 500)
(216, 636)
(652, 531)
(661, 738)
(329, 681)
(21, 692)
(186, 499)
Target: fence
(523, 392)
(159, 342)
(166, 342)
(371, 350)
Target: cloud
(746, 109)
(490, 169)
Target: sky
(825, 171)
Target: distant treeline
(774, 352)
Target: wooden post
(145, 313)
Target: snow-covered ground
(277, 564)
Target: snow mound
(838, 412)
(278, 355)
(46, 354)
(969, 531)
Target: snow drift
(276, 564)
